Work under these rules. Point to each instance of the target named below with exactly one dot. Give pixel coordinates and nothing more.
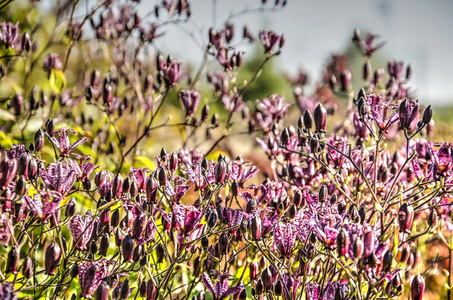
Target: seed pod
(308, 120)
(223, 243)
(320, 118)
(52, 258)
(12, 261)
(124, 291)
(160, 253)
(405, 218)
(417, 288)
(102, 292)
(127, 247)
(342, 243)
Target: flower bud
(259, 287)
(256, 228)
(320, 118)
(139, 226)
(13, 260)
(251, 206)
(102, 292)
(417, 288)
(162, 176)
(243, 295)
(342, 243)
(369, 240)
(357, 248)
(220, 171)
(50, 127)
(27, 268)
(39, 140)
(32, 169)
(138, 252)
(405, 218)
(74, 271)
(52, 258)
(21, 186)
(387, 261)
(127, 247)
(432, 218)
(266, 277)
(104, 244)
(160, 253)
(427, 115)
(223, 244)
(115, 219)
(93, 247)
(308, 120)
(124, 291)
(212, 220)
(17, 104)
(322, 194)
(253, 270)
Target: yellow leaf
(144, 162)
(57, 80)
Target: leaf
(145, 162)
(6, 115)
(57, 80)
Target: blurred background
(418, 32)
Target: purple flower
(52, 62)
(9, 33)
(62, 143)
(5, 229)
(284, 238)
(91, 274)
(271, 110)
(380, 112)
(220, 291)
(8, 168)
(60, 177)
(7, 291)
(190, 100)
(269, 39)
(408, 111)
(81, 229)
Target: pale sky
(419, 32)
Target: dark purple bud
(150, 290)
(427, 115)
(342, 243)
(320, 118)
(50, 127)
(117, 185)
(21, 186)
(142, 289)
(74, 271)
(151, 189)
(17, 104)
(115, 219)
(13, 260)
(52, 258)
(138, 252)
(162, 175)
(266, 277)
(139, 226)
(204, 243)
(256, 228)
(160, 253)
(102, 292)
(405, 252)
(39, 140)
(332, 82)
(27, 268)
(125, 291)
(253, 270)
(387, 261)
(220, 171)
(323, 194)
(93, 247)
(213, 218)
(408, 72)
(104, 244)
(205, 112)
(308, 120)
(190, 100)
(259, 287)
(405, 218)
(127, 247)
(243, 295)
(251, 205)
(32, 168)
(367, 70)
(369, 240)
(345, 80)
(357, 248)
(417, 288)
(223, 243)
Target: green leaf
(57, 80)
(6, 115)
(144, 162)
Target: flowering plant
(331, 212)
